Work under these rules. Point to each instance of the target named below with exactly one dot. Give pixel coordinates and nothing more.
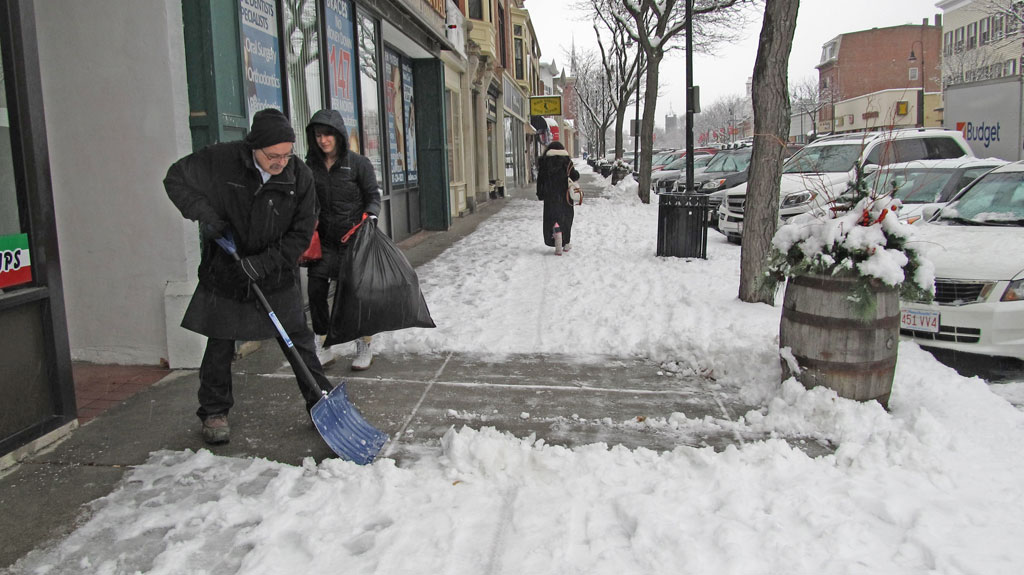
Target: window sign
(342, 72)
(395, 116)
(15, 261)
(262, 54)
(410, 122)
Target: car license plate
(919, 320)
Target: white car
(818, 174)
(976, 244)
(927, 185)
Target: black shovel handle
(228, 244)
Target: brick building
(873, 78)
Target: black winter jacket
(346, 191)
(272, 222)
(553, 173)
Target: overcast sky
(725, 74)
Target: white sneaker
(325, 355)
(364, 355)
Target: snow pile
(862, 241)
(932, 486)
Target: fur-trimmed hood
(556, 152)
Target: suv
(816, 175)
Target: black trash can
(683, 225)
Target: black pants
(319, 282)
(215, 395)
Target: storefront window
(369, 74)
(300, 27)
(341, 68)
(15, 263)
(395, 117)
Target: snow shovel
(336, 419)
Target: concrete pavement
(414, 398)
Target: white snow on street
(931, 486)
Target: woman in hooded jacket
(346, 188)
(554, 169)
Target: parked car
(928, 184)
(700, 163)
(662, 161)
(814, 177)
(665, 158)
(976, 244)
(664, 180)
(729, 169)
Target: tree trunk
(620, 120)
(770, 95)
(647, 127)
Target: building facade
(101, 264)
(881, 78)
(979, 41)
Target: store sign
(262, 56)
(15, 261)
(342, 72)
(546, 106)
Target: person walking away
(554, 169)
(346, 188)
(265, 199)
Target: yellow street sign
(546, 106)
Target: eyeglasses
(277, 157)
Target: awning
(552, 128)
(538, 123)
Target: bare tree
(591, 94)
(967, 66)
(770, 94)
(714, 120)
(806, 100)
(657, 26)
(623, 64)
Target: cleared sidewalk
(415, 398)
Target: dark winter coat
(345, 191)
(271, 222)
(553, 171)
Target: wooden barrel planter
(834, 347)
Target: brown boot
(216, 429)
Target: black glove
(252, 268)
(212, 230)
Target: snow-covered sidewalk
(932, 486)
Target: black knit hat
(269, 127)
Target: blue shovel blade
(344, 429)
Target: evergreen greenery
(840, 259)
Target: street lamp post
(920, 97)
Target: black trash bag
(378, 290)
